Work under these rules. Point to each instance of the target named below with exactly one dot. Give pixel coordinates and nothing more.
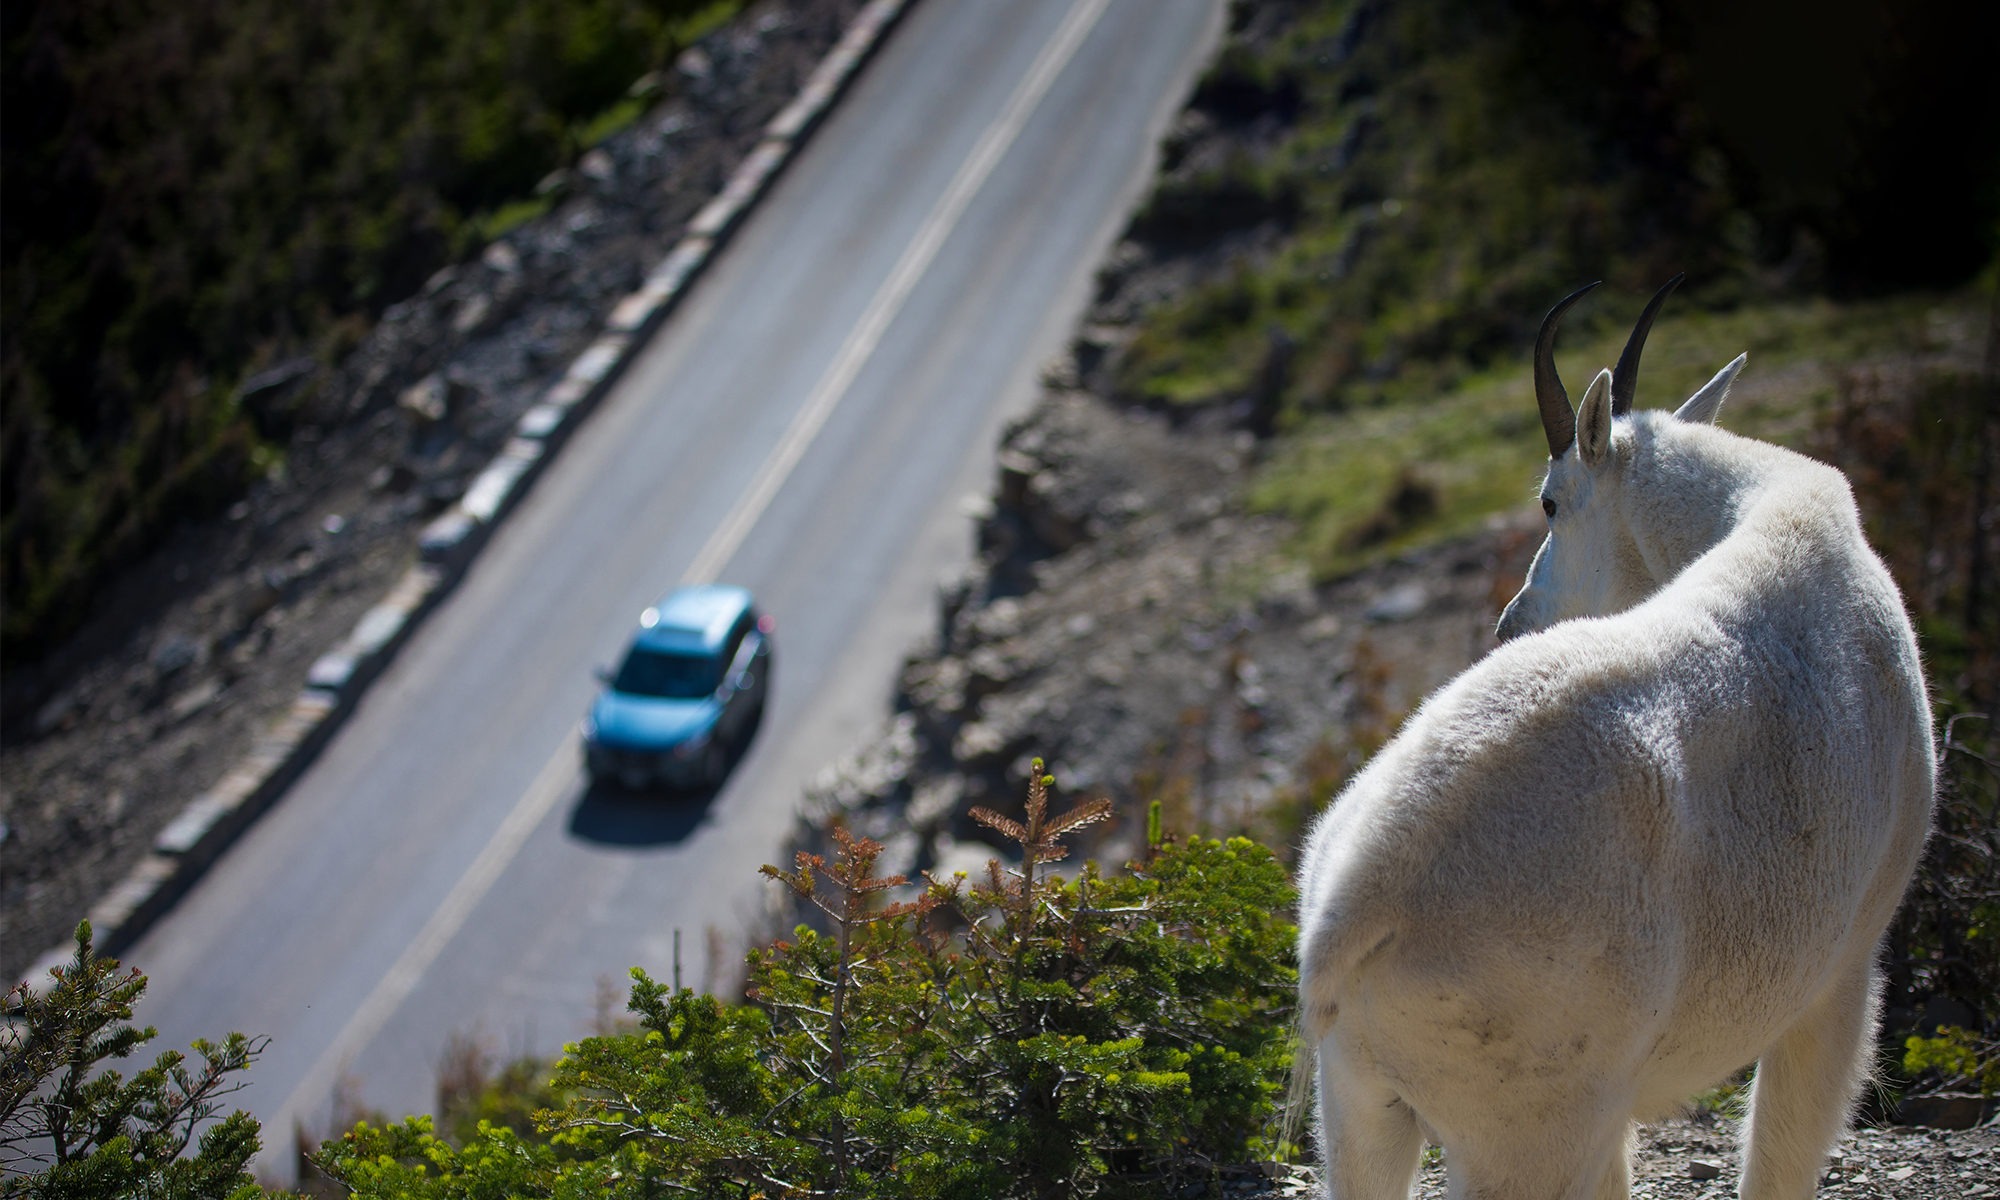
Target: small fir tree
(70, 1129)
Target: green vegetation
(472, 1090)
(1024, 1035)
(1730, 1098)
(197, 191)
(70, 1129)
(1956, 1058)
(1921, 449)
(1476, 444)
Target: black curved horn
(1558, 419)
(1625, 376)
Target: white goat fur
(1654, 836)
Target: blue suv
(689, 690)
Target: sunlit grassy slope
(1476, 448)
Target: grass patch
(1477, 445)
(703, 21)
(610, 121)
(512, 216)
(1730, 1098)
(1342, 473)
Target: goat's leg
(1579, 1154)
(1805, 1088)
(1369, 1142)
(1617, 1181)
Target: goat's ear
(1593, 421)
(1705, 404)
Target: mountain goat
(1653, 836)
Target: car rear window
(673, 676)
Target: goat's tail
(1329, 957)
(1299, 1091)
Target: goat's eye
(1549, 507)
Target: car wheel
(714, 763)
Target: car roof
(693, 619)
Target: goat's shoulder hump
(1538, 691)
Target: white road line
(550, 785)
(895, 290)
(555, 777)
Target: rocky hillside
(1152, 640)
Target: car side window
(735, 643)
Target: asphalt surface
(442, 867)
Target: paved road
(442, 867)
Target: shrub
(69, 1130)
(1955, 1058)
(1023, 1035)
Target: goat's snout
(1514, 620)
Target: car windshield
(674, 676)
